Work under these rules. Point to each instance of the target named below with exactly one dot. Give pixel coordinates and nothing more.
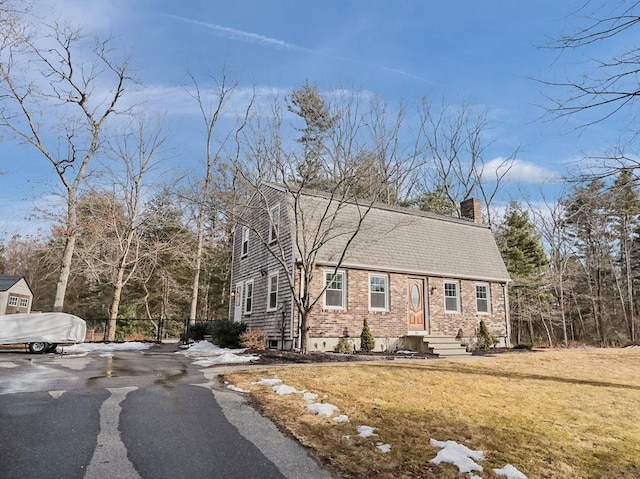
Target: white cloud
(518, 171)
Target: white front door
(237, 310)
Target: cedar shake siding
(253, 264)
(456, 262)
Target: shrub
(485, 338)
(367, 342)
(198, 330)
(254, 339)
(343, 346)
(528, 347)
(226, 333)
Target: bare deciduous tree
(58, 89)
(455, 139)
(211, 104)
(609, 86)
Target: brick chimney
(471, 210)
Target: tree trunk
(115, 304)
(196, 274)
(65, 270)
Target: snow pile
(458, 455)
(341, 418)
(237, 389)
(510, 472)
(208, 354)
(322, 409)
(464, 459)
(268, 382)
(309, 397)
(283, 389)
(366, 431)
(383, 447)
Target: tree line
(136, 239)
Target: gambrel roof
(395, 239)
(7, 282)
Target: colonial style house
(423, 281)
(15, 295)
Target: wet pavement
(134, 414)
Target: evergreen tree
(522, 251)
(367, 342)
(435, 201)
(587, 224)
(625, 211)
(309, 105)
(519, 244)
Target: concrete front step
(445, 346)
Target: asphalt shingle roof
(6, 281)
(404, 240)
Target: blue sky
(480, 52)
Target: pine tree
(522, 251)
(367, 342)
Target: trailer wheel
(38, 348)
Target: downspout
(505, 289)
(301, 289)
(232, 299)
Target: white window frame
(385, 292)
(248, 298)
(13, 301)
(486, 299)
(457, 296)
(271, 292)
(24, 302)
(344, 288)
(244, 251)
(274, 223)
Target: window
(24, 302)
(245, 241)
(238, 295)
(13, 301)
(274, 223)
(248, 297)
(334, 295)
(379, 292)
(451, 297)
(272, 292)
(483, 299)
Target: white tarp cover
(41, 327)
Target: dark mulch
(270, 356)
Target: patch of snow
(457, 454)
(268, 382)
(309, 397)
(225, 358)
(205, 348)
(322, 409)
(8, 365)
(510, 472)
(404, 351)
(237, 389)
(91, 347)
(473, 476)
(366, 431)
(341, 418)
(282, 389)
(56, 394)
(384, 447)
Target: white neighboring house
(15, 295)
